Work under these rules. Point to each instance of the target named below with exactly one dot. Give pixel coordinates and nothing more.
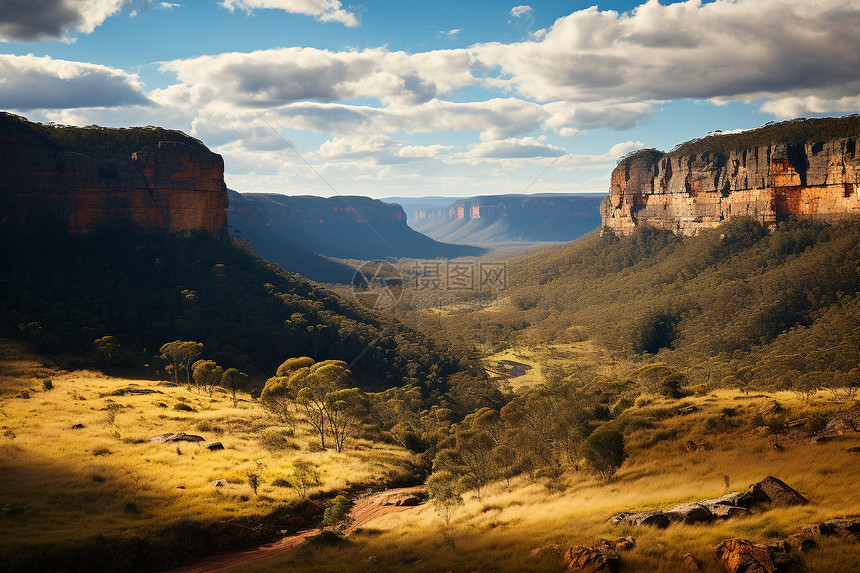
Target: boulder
(743, 556)
(655, 518)
(554, 548)
(404, 497)
(769, 408)
(842, 527)
(180, 437)
(591, 559)
(215, 446)
(777, 492)
(736, 498)
(728, 511)
(690, 513)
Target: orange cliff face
(83, 178)
(817, 178)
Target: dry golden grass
(106, 477)
(496, 532)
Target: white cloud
(33, 82)
(451, 33)
(168, 6)
(726, 48)
(33, 20)
(274, 77)
(511, 148)
(322, 10)
(519, 11)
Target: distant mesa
(800, 168)
(497, 219)
(290, 230)
(82, 178)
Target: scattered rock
(777, 492)
(220, 483)
(769, 408)
(180, 487)
(743, 556)
(696, 447)
(854, 450)
(134, 389)
(841, 527)
(180, 437)
(690, 513)
(690, 564)
(796, 423)
(77, 426)
(655, 518)
(591, 559)
(688, 409)
(214, 446)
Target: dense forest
(62, 293)
(779, 307)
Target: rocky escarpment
(348, 227)
(505, 218)
(801, 168)
(83, 178)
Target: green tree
(604, 452)
(234, 380)
(442, 487)
(180, 354)
(337, 512)
(206, 374)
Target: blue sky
(394, 98)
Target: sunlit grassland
(62, 483)
(497, 531)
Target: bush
(337, 512)
(604, 452)
(47, 384)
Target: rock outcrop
(802, 168)
(85, 178)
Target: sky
(406, 98)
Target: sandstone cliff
(800, 168)
(511, 218)
(82, 178)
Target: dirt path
(365, 509)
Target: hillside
(800, 168)
(500, 219)
(343, 227)
(150, 288)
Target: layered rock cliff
(801, 168)
(83, 178)
(511, 218)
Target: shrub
(183, 408)
(47, 384)
(337, 512)
(604, 452)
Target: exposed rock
(404, 497)
(690, 564)
(738, 498)
(180, 437)
(728, 511)
(134, 390)
(841, 527)
(769, 408)
(690, 513)
(220, 483)
(83, 178)
(655, 518)
(854, 450)
(771, 174)
(591, 559)
(688, 409)
(554, 548)
(776, 491)
(742, 556)
(77, 426)
(214, 446)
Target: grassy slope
(495, 533)
(109, 479)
